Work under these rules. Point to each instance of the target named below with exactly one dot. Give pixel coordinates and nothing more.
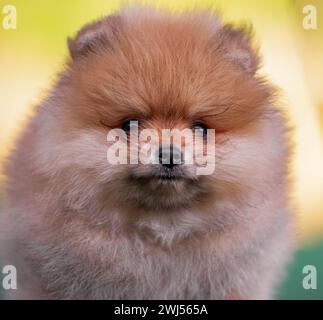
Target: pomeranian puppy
(77, 226)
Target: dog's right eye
(130, 123)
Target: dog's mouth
(165, 175)
(169, 175)
(157, 188)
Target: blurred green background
(32, 54)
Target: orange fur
(85, 229)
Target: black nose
(170, 156)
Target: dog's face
(156, 72)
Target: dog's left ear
(237, 43)
(94, 37)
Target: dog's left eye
(200, 127)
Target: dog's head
(136, 75)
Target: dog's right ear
(94, 37)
